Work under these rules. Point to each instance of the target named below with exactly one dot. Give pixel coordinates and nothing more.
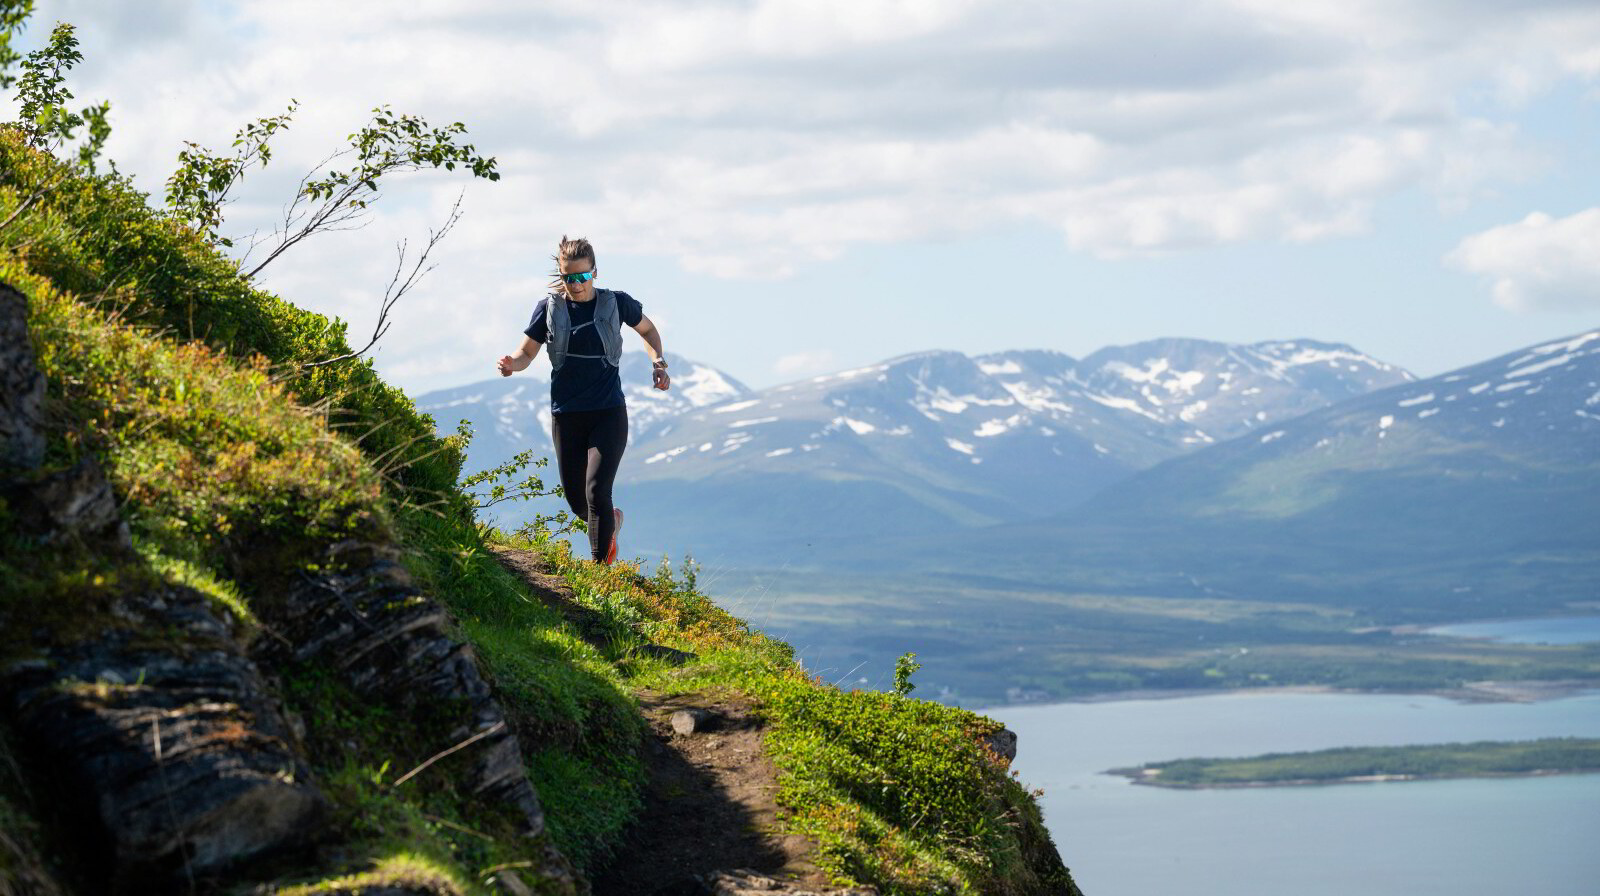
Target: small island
(1351, 765)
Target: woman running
(582, 326)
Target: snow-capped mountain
(1533, 410)
(921, 442)
(938, 440)
(1476, 492)
(1179, 394)
(1050, 429)
(512, 414)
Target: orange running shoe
(611, 552)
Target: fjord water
(1468, 837)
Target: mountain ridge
(1427, 484)
(938, 437)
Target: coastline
(1531, 691)
(1142, 779)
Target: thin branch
(524, 494)
(334, 212)
(456, 827)
(291, 214)
(443, 753)
(399, 287)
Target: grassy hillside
(235, 471)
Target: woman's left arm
(652, 338)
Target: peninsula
(1351, 765)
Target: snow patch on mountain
(706, 385)
(1035, 397)
(991, 428)
(666, 455)
(1566, 346)
(1123, 404)
(1540, 366)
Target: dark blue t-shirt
(584, 384)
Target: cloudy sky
(800, 186)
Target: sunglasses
(580, 277)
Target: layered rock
(368, 621)
(160, 730)
(177, 749)
(21, 387)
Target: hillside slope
(255, 640)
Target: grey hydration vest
(607, 322)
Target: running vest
(607, 322)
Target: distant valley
(1173, 514)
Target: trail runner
(582, 325)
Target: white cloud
(804, 363)
(784, 132)
(754, 139)
(1538, 263)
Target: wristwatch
(660, 364)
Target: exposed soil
(710, 801)
(709, 806)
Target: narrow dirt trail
(709, 823)
(710, 805)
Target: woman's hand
(509, 364)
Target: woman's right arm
(520, 361)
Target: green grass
(898, 792)
(170, 371)
(401, 870)
(359, 750)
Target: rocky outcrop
(21, 387)
(177, 749)
(72, 503)
(160, 731)
(370, 622)
(1003, 744)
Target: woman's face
(578, 292)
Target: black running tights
(589, 447)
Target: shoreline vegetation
(1055, 647)
(1368, 765)
(1471, 692)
